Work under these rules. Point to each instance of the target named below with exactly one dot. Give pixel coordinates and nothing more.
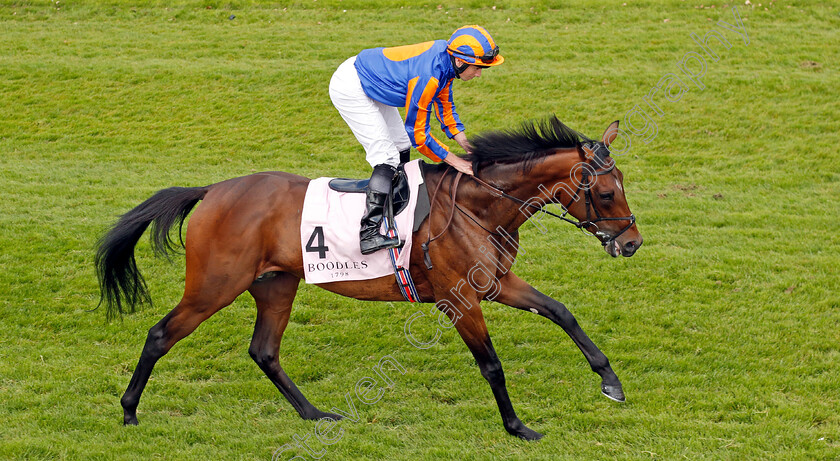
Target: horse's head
(580, 171)
(600, 204)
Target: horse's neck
(534, 188)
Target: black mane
(529, 143)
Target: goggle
(488, 57)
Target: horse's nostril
(630, 245)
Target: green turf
(723, 327)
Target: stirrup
(378, 242)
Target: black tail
(120, 282)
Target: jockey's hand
(462, 141)
(459, 164)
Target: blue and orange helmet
(473, 45)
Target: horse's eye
(606, 196)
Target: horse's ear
(610, 134)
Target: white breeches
(378, 128)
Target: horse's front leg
(473, 331)
(517, 293)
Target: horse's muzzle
(614, 247)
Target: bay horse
(244, 236)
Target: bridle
(585, 184)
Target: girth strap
(453, 191)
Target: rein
(499, 193)
(589, 203)
(453, 191)
(580, 224)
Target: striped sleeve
(450, 123)
(419, 101)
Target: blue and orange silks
(474, 45)
(419, 78)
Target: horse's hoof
(130, 420)
(524, 432)
(529, 434)
(613, 392)
(322, 415)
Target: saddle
(329, 241)
(400, 192)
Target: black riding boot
(405, 155)
(377, 193)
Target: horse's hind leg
(274, 298)
(201, 300)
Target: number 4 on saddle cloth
(329, 229)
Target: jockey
(367, 89)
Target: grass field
(723, 327)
